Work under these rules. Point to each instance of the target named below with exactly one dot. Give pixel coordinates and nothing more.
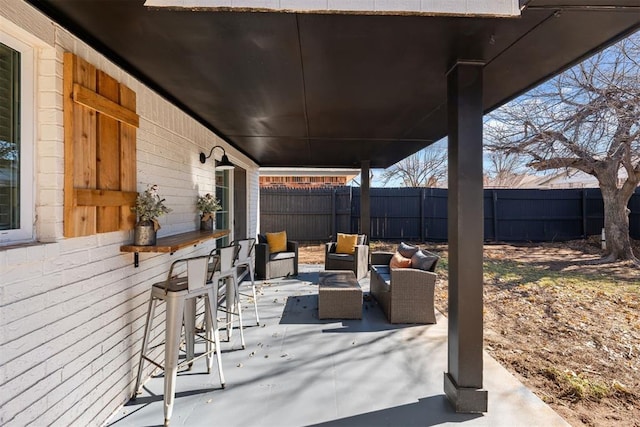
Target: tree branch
(563, 162)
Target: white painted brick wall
(72, 311)
(253, 192)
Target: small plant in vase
(149, 206)
(207, 205)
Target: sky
(439, 145)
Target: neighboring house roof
(348, 173)
(316, 176)
(561, 179)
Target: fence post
(494, 196)
(351, 211)
(422, 197)
(584, 213)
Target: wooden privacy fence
(420, 214)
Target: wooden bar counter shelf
(171, 244)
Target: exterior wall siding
(72, 310)
(253, 205)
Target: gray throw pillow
(424, 260)
(406, 250)
(262, 238)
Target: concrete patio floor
(298, 370)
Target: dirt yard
(568, 328)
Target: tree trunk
(616, 224)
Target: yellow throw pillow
(346, 243)
(398, 261)
(277, 242)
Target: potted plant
(207, 205)
(149, 206)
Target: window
(16, 130)
(223, 193)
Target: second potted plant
(149, 206)
(207, 205)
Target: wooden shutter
(100, 124)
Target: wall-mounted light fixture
(223, 164)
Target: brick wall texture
(72, 310)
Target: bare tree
(504, 169)
(426, 168)
(356, 181)
(587, 118)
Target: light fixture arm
(204, 158)
(224, 163)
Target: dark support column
(463, 381)
(365, 202)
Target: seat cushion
(346, 243)
(340, 257)
(383, 271)
(277, 241)
(282, 255)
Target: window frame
(27, 141)
(223, 186)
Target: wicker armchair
(281, 264)
(358, 262)
(405, 294)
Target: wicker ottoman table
(339, 295)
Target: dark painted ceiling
(328, 90)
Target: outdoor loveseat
(404, 294)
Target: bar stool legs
(145, 342)
(233, 307)
(253, 290)
(179, 308)
(244, 266)
(175, 310)
(190, 328)
(211, 326)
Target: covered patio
(273, 88)
(311, 85)
(298, 370)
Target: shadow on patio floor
(298, 370)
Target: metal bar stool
(244, 264)
(225, 277)
(176, 292)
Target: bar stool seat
(178, 294)
(174, 285)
